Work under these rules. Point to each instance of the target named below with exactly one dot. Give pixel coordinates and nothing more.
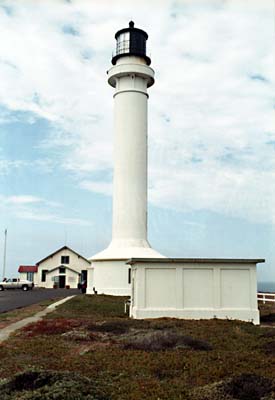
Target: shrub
(269, 348)
(248, 387)
(196, 344)
(163, 340)
(269, 333)
(49, 385)
(269, 317)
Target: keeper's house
(63, 268)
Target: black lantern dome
(131, 42)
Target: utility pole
(5, 253)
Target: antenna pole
(5, 253)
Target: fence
(266, 297)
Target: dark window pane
(129, 275)
(43, 275)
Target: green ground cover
(88, 349)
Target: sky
(211, 138)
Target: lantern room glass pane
(123, 43)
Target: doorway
(62, 281)
(84, 275)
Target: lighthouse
(130, 76)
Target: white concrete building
(195, 288)
(130, 76)
(63, 268)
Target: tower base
(109, 273)
(109, 277)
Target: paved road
(12, 299)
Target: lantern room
(131, 41)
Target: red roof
(27, 268)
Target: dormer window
(65, 259)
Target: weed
(269, 333)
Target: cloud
(7, 165)
(48, 217)
(23, 199)
(34, 208)
(210, 111)
(98, 187)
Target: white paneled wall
(224, 289)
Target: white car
(16, 283)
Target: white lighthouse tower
(130, 76)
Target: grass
(88, 347)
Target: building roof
(196, 260)
(63, 266)
(27, 268)
(57, 251)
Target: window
(43, 275)
(62, 270)
(123, 43)
(30, 276)
(129, 275)
(65, 259)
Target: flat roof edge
(197, 260)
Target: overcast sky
(211, 127)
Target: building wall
(71, 278)
(109, 277)
(195, 291)
(23, 276)
(76, 263)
